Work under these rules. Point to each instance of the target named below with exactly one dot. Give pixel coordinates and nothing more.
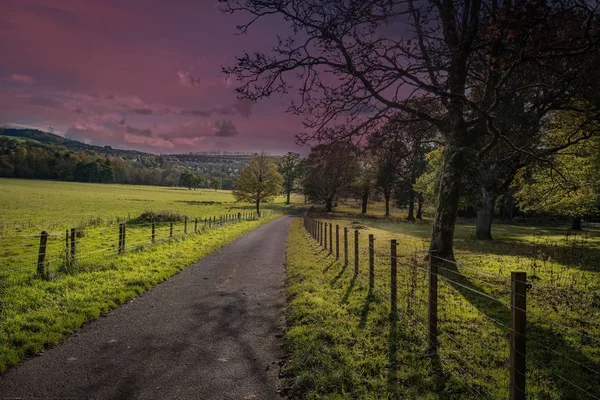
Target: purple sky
(136, 74)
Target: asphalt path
(213, 331)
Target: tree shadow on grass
(543, 344)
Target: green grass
(54, 205)
(35, 313)
(563, 313)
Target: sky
(137, 74)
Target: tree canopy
(258, 182)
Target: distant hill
(51, 138)
(143, 168)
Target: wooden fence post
(356, 252)
(518, 348)
(330, 238)
(73, 244)
(196, 225)
(239, 216)
(120, 246)
(124, 237)
(153, 232)
(337, 242)
(171, 229)
(67, 241)
(185, 226)
(325, 244)
(433, 306)
(393, 279)
(371, 262)
(42, 253)
(345, 246)
(321, 233)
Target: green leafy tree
(330, 169)
(216, 183)
(568, 185)
(258, 182)
(291, 169)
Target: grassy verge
(341, 342)
(563, 328)
(35, 313)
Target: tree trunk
(485, 214)
(507, 207)
(288, 198)
(329, 204)
(576, 226)
(444, 222)
(258, 207)
(365, 200)
(419, 206)
(411, 207)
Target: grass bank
(341, 343)
(563, 325)
(36, 313)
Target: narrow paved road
(214, 331)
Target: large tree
(569, 183)
(330, 169)
(258, 182)
(364, 61)
(290, 167)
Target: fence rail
(75, 246)
(493, 345)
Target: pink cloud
(24, 79)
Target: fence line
(433, 294)
(76, 245)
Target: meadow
(339, 326)
(38, 310)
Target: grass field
(373, 358)
(36, 311)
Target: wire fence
(485, 330)
(47, 254)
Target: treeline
(29, 159)
(402, 162)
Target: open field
(563, 313)
(36, 311)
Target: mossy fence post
(371, 262)
(518, 348)
(337, 242)
(356, 255)
(345, 246)
(330, 238)
(73, 245)
(393, 279)
(185, 226)
(171, 229)
(153, 232)
(433, 306)
(42, 253)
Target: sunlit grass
(474, 312)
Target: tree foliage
(291, 169)
(258, 182)
(330, 169)
(462, 57)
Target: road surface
(213, 331)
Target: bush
(161, 216)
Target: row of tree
(492, 78)
(28, 159)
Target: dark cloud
(225, 129)
(198, 113)
(139, 131)
(244, 107)
(44, 102)
(142, 111)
